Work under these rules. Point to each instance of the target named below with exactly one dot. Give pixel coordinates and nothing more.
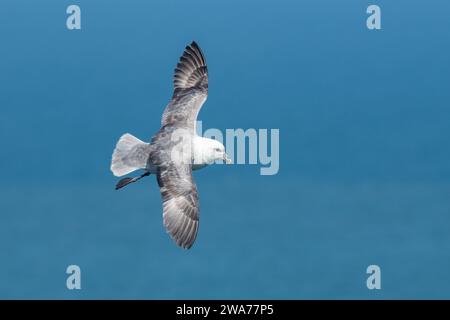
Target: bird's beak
(226, 159)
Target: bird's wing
(180, 203)
(190, 89)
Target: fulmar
(175, 150)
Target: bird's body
(175, 150)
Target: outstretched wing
(180, 203)
(190, 89)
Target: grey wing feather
(180, 203)
(190, 88)
(178, 190)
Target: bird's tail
(129, 155)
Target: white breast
(202, 152)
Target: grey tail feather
(129, 155)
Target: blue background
(364, 149)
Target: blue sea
(363, 118)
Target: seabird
(176, 150)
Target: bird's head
(215, 151)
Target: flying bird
(175, 150)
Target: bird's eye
(218, 149)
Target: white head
(208, 151)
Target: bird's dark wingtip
(194, 44)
